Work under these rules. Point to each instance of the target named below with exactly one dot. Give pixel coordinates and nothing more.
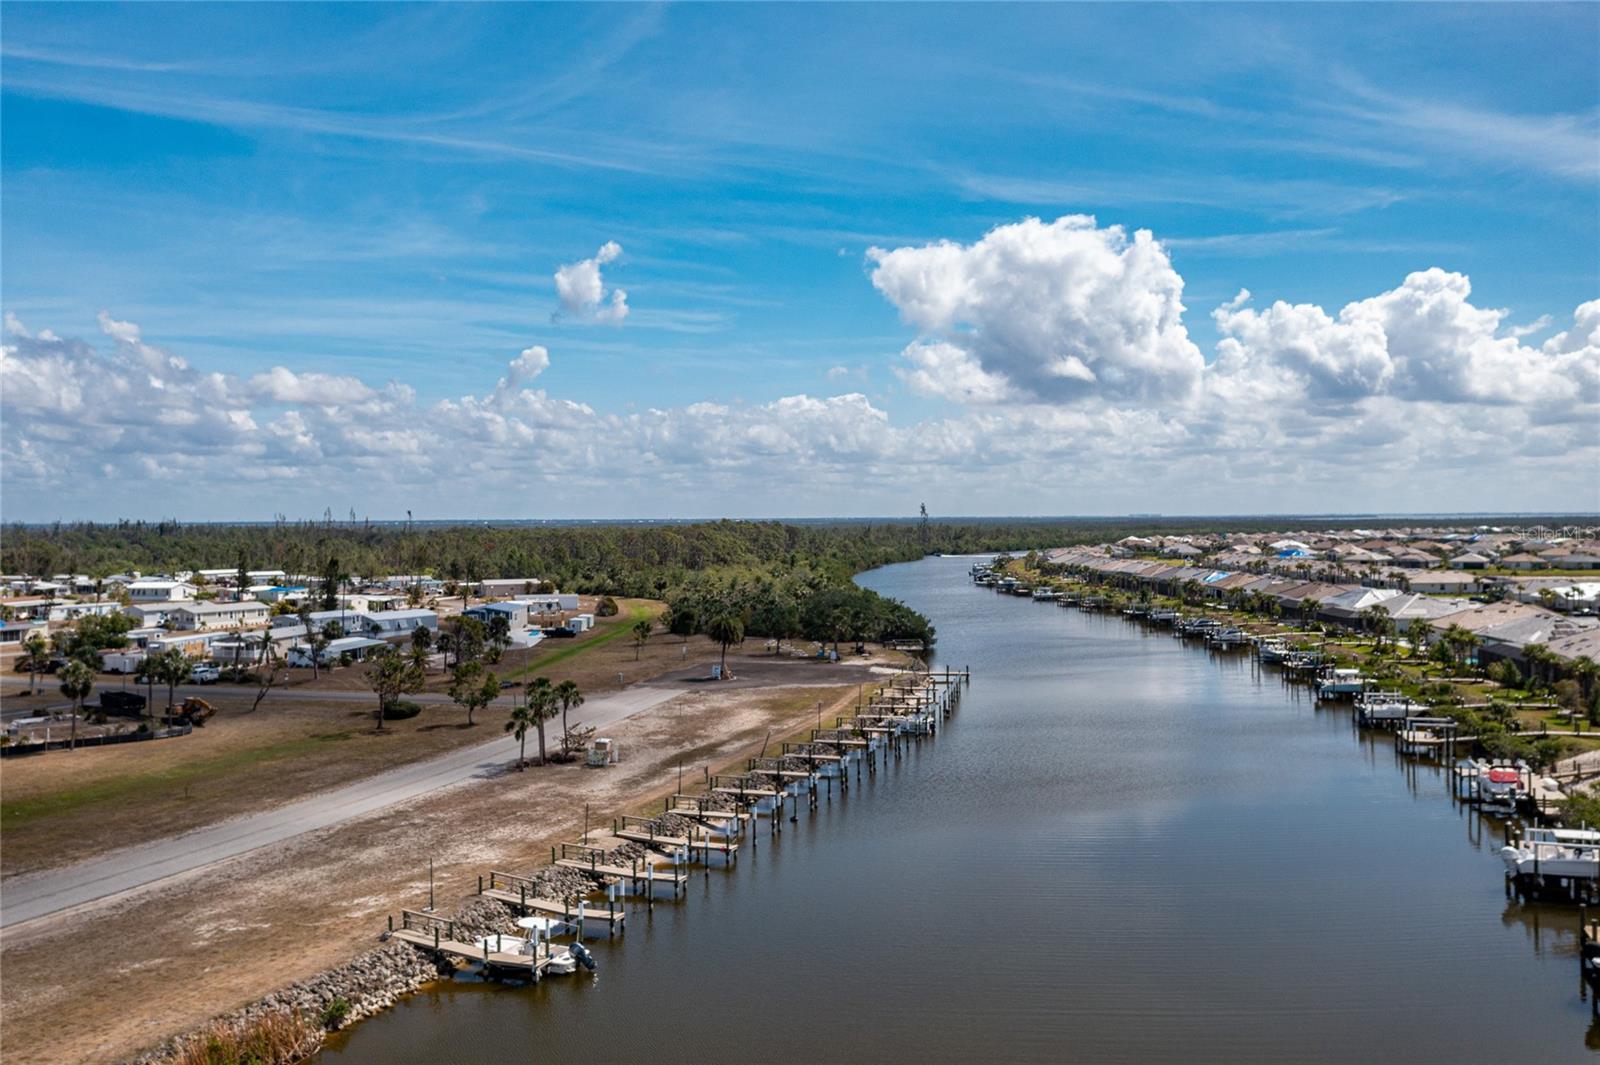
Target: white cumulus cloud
(583, 293)
(1057, 311)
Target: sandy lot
(61, 807)
(100, 987)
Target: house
(1411, 558)
(556, 603)
(1469, 560)
(204, 616)
(16, 632)
(1523, 560)
(1444, 581)
(1558, 593)
(357, 647)
(398, 624)
(193, 644)
(71, 611)
(1574, 645)
(1347, 607)
(1575, 560)
(507, 586)
(159, 590)
(516, 613)
(1511, 639)
(272, 593)
(153, 615)
(28, 608)
(369, 602)
(1410, 607)
(403, 582)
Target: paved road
(511, 696)
(28, 898)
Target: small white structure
(603, 752)
(391, 624)
(124, 661)
(201, 616)
(159, 590)
(357, 647)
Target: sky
(520, 261)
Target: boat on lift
(1571, 853)
(1227, 637)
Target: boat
(1554, 852)
(1376, 706)
(1272, 650)
(1336, 682)
(1227, 637)
(1499, 787)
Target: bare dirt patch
(62, 807)
(182, 951)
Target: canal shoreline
(335, 1000)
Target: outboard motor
(584, 958)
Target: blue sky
(385, 193)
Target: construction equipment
(194, 711)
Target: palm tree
(641, 633)
(172, 669)
(1418, 633)
(1584, 671)
(726, 628)
(571, 698)
(1540, 660)
(541, 702)
(36, 654)
(314, 641)
(77, 681)
(148, 672)
(421, 645)
(519, 722)
(1308, 609)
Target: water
(1121, 849)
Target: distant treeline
(630, 559)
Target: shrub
(401, 709)
(335, 1013)
(606, 607)
(276, 1038)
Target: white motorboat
(1573, 853)
(1337, 682)
(1272, 650)
(1227, 637)
(1499, 787)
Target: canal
(1122, 848)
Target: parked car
(205, 673)
(559, 634)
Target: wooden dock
(438, 935)
(514, 890)
(907, 708)
(646, 830)
(699, 807)
(590, 860)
